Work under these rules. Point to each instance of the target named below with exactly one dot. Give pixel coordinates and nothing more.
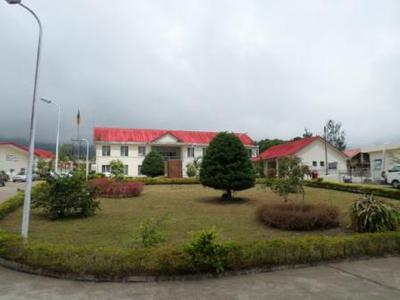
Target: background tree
(43, 167)
(335, 135)
(307, 133)
(226, 165)
(268, 143)
(117, 169)
(153, 164)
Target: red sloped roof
(352, 152)
(286, 149)
(149, 135)
(38, 152)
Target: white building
(14, 157)
(177, 146)
(382, 158)
(312, 153)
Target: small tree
(335, 135)
(117, 169)
(153, 164)
(43, 167)
(291, 178)
(193, 168)
(227, 166)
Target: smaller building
(14, 157)
(314, 152)
(382, 158)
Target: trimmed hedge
(119, 263)
(165, 180)
(356, 188)
(110, 188)
(11, 204)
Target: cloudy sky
(268, 68)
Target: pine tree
(227, 166)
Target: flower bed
(116, 189)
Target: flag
(78, 118)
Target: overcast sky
(268, 68)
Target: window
(314, 163)
(332, 166)
(249, 152)
(105, 151)
(395, 169)
(190, 152)
(139, 170)
(124, 150)
(204, 151)
(105, 169)
(322, 163)
(142, 151)
(125, 169)
(378, 164)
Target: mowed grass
(185, 208)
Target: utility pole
(326, 151)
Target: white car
(21, 177)
(393, 176)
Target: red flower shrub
(110, 188)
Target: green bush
(65, 196)
(355, 188)
(191, 170)
(226, 165)
(150, 233)
(371, 215)
(117, 169)
(11, 204)
(206, 253)
(165, 180)
(153, 164)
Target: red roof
(286, 149)
(352, 152)
(150, 135)
(38, 152)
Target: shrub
(65, 196)
(206, 253)
(271, 173)
(372, 215)
(150, 233)
(109, 188)
(226, 165)
(117, 169)
(11, 204)
(153, 164)
(299, 217)
(191, 170)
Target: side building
(178, 147)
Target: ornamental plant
(117, 169)
(110, 188)
(153, 164)
(372, 215)
(65, 196)
(227, 166)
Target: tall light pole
(87, 154)
(28, 186)
(48, 101)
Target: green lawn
(187, 207)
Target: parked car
(393, 176)
(21, 177)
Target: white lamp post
(48, 101)
(28, 186)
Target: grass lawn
(187, 208)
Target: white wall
(387, 163)
(12, 158)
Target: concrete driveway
(10, 189)
(365, 279)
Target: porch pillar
(277, 167)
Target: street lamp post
(87, 154)
(48, 101)
(28, 186)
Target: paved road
(10, 189)
(366, 279)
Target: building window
(250, 152)
(204, 151)
(314, 163)
(142, 150)
(332, 166)
(190, 152)
(105, 169)
(105, 151)
(125, 169)
(124, 150)
(322, 163)
(139, 171)
(378, 164)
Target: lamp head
(13, 1)
(48, 101)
